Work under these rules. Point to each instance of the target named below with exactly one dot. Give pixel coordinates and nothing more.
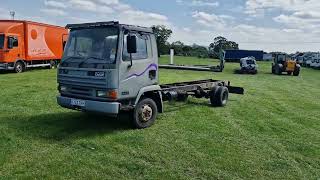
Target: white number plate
(77, 102)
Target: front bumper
(249, 70)
(111, 108)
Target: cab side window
(142, 52)
(12, 42)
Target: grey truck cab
(109, 67)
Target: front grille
(81, 91)
(80, 84)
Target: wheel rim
(53, 65)
(19, 68)
(146, 113)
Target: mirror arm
(130, 61)
(131, 64)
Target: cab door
(144, 69)
(14, 47)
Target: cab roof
(110, 23)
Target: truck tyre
(296, 72)
(19, 67)
(145, 113)
(278, 70)
(182, 97)
(219, 97)
(272, 70)
(242, 71)
(53, 65)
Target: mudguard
(148, 89)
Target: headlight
(101, 93)
(112, 94)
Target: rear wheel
(53, 65)
(145, 113)
(219, 97)
(182, 97)
(19, 67)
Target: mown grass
(272, 132)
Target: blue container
(236, 55)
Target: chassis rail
(200, 85)
(198, 89)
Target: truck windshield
(91, 46)
(1, 41)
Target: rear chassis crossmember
(200, 89)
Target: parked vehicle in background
(248, 65)
(315, 63)
(25, 44)
(110, 67)
(283, 63)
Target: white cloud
(53, 12)
(199, 3)
(55, 4)
(109, 10)
(253, 6)
(298, 20)
(210, 20)
(292, 30)
(85, 5)
(136, 17)
(204, 3)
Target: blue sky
(270, 25)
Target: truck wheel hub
(19, 68)
(146, 113)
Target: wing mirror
(10, 42)
(131, 44)
(131, 47)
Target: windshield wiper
(90, 57)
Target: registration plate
(77, 102)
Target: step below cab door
(144, 68)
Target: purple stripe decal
(150, 67)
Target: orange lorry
(25, 44)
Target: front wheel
(278, 70)
(19, 67)
(145, 113)
(296, 72)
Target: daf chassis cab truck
(109, 67)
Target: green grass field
(272, 132)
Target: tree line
(219, 43)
